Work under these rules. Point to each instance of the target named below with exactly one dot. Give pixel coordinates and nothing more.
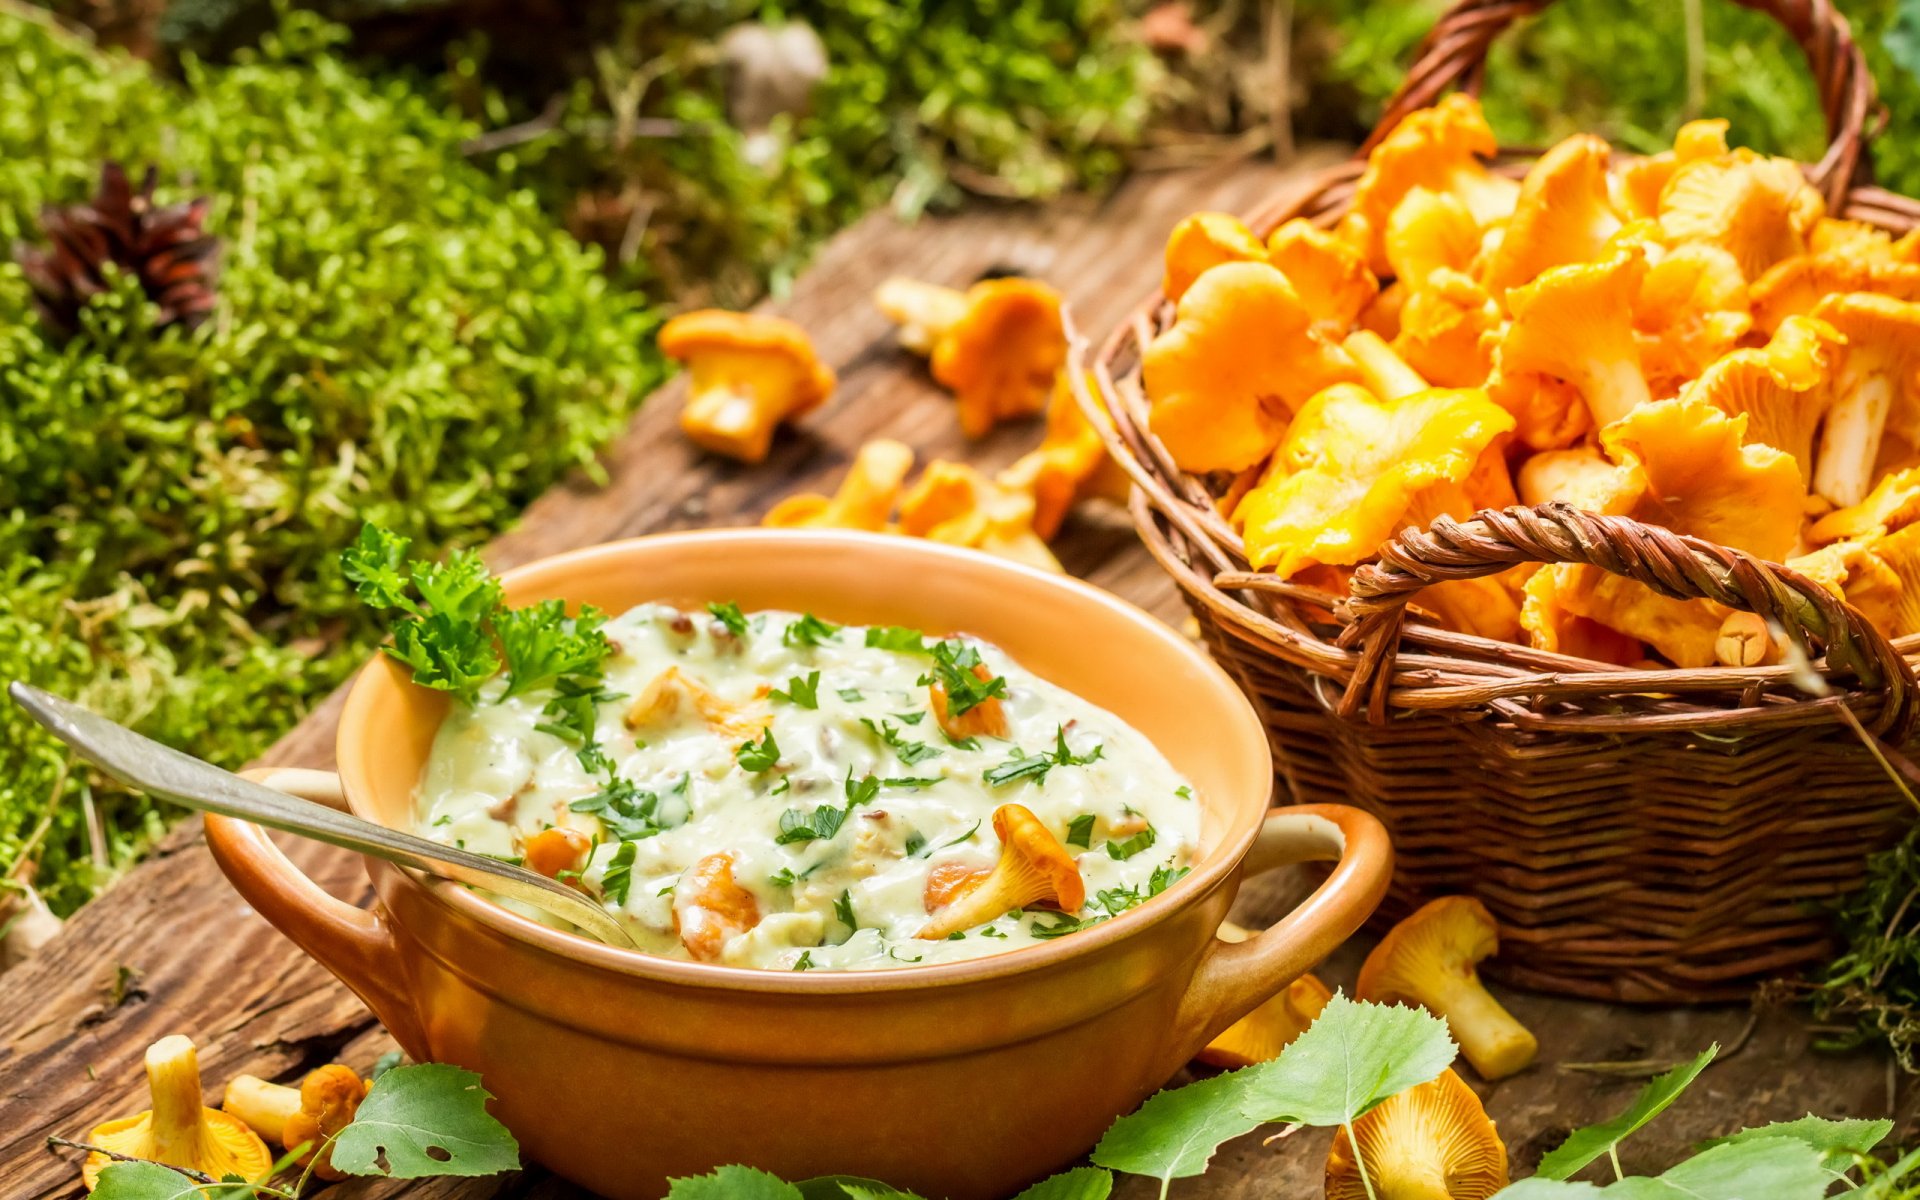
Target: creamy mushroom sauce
(494, 778)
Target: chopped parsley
(809, 630)
(729, 614)
(803, 692)
(916, 842)
(967, 836)
(851, 695)
(784, 877)
(1184, 792)
(961, 743)
(954, 667)
(574, 710)
(895, 957)
(843, 909)
(1124, 850)
(910, 752)
(912, 782)
(1080, 831)
(1063, 926)
(991, 932)
(910, 718)
(1164, 878)
(1035, 766)
(804, 962)
(542, 645)
(761, 755)
(897, 638)
(958, 935)
(618, 879)
(630, 813)
(825, 821)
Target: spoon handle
(141, 762)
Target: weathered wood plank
(172, 949)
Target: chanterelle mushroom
(750, 372)
(1433, 1141)
(179, 1130)
(1262, 1034)
(1034, 868)
(1563, 215)
(1873, 390)
(1333, 278)
(864, 500)
(1202, 241)
(308, 1115)
(1440, 149)
(1241, 356)
(1575, 322)
(1429, 959)
(997, 346)
(953, 503)
(1070, 464)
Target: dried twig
(60, 1143)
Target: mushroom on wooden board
(864, 500)
(1034, 868)
(323, 1105)
(1429, 959)
(1262, 1034)
(1433, 1141)
(750, 373)
(179, 1130)
(996, 346)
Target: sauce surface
(768, 790)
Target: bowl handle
(356, 944)
(1234, 978)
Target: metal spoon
(141, 762)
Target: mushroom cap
(1445, 936)
(1692, 308)
(751, 337)
(864, 500)
(1883, 581)
(1440, 149)
(329, 1098)
(954, 503)
(1563, 214)
(1448, 330)
(1240, 358)
(1262, 1034)
(1033, 868)
(1352, 466)
(1758, 209)
(710, 909)
(1893, 504)
(179, 1130)
(1552, 628)
(1643, 179)
(1796, 286)
(1580, 476)
(1330, 276)
(1778, 388)
(1202, 241)
(1000, 359)
(1548, 413)
(1430, 231)
(1575, 322)
(1433, 1141)
(1690, 471)
(1070, 464)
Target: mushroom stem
(264, 1106)
(1850, 443)
(1491, 1039)
(1385, 373)
(923, 311)
(173, 1083)
(1745, 641)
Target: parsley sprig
(954, 668)
(1036, 766)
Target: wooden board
(172, 949)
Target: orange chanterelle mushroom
(996, 346)
(710, 909)
(1431, 1142)
(1034, 868)
(178, 1130)
(1262, 1034)
(301, 1118)
(1428, 959)
(750, 373)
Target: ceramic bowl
(970, 1079)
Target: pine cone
(166, 249)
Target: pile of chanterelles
(1686, 339)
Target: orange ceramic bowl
(970, 1079)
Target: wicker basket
(1642, 835)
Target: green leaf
(151, 1181)
(736, 1183)
(761, 756)
(1081, 1183)
(897, 638)
(1584, 1145)
(804, 692)
(729, 614)
(411, 1112)
(542, 645)
(1764, 1168)
(849, 1187)
(1902, 39)
(809, 630)
(1838, 1142)
(1174, 1134)
(1351, 1058)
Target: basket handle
(1672, 564)
(1454, 54)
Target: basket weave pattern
(1642, 835)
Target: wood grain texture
(173, 949)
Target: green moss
(401, 338)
